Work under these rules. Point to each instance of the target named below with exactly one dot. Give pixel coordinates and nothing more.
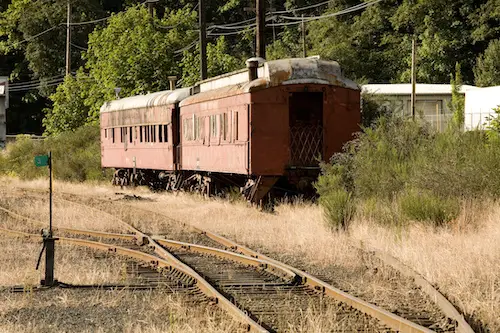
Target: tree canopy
(137, 53)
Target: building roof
(405, 89)
(159, 98)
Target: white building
(4, 104)
(479, 105)
(431, 102)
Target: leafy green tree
(488, 66)
(219, 61)
(70, 110)
(133, 52)
(364, 44)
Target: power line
(79, 47)
(313, 18)
(301, 8)
(229, 33)
(15, 84)
(90, 22)
(187, 47)
(38, 35)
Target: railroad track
(258, 290)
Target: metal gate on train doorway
(306, 128)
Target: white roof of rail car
(285, 71)
(159, 98)
(405, 89)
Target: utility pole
(151, 8)
(203, 39)
(304, 53)
(68, 41)
(261, 24)
(413, 75)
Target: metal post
(303, 26)
(68, 41)
(49, 240)
(50, 194)
(203, 39)
(413, 76)
(261, 24)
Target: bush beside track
(77, 156)
(400, 170)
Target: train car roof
(273, 73)
(159, 98)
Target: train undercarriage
(260, 190)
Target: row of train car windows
(149, 133)
(194, 127)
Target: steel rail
(439, 299)
(391, 320)
(233, 256)
(167, 262)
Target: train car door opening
(306, 128)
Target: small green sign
(41, 160)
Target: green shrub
(396, 158)
(428, 207)
(339, 208)
(76, 155)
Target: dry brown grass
(464, 263)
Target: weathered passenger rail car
(264, 127)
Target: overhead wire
(15, 84)
(299, 20)
(79, 47)
(292, 10)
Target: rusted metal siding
(269, 130)
(147, 155)
(342, 117)
(270, 138)
(210, 151)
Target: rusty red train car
(261, 129)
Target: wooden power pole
(261, 24)
(413, 76)
(68, 41)
(304, 53)
(203, 39)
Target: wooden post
(261, 23)
(413, 76)
(203, 39)
(304, 53)
(68, 40)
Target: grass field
(463, 262)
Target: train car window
(195, 128)
(113, 135)
(213, 126)
(235, 125)
(226, 126)
(165, 132)
(148, 133)
(140, 133)
(154, 133)
(105, 133)
(160, 133)
(130, 134)
(201, 128)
